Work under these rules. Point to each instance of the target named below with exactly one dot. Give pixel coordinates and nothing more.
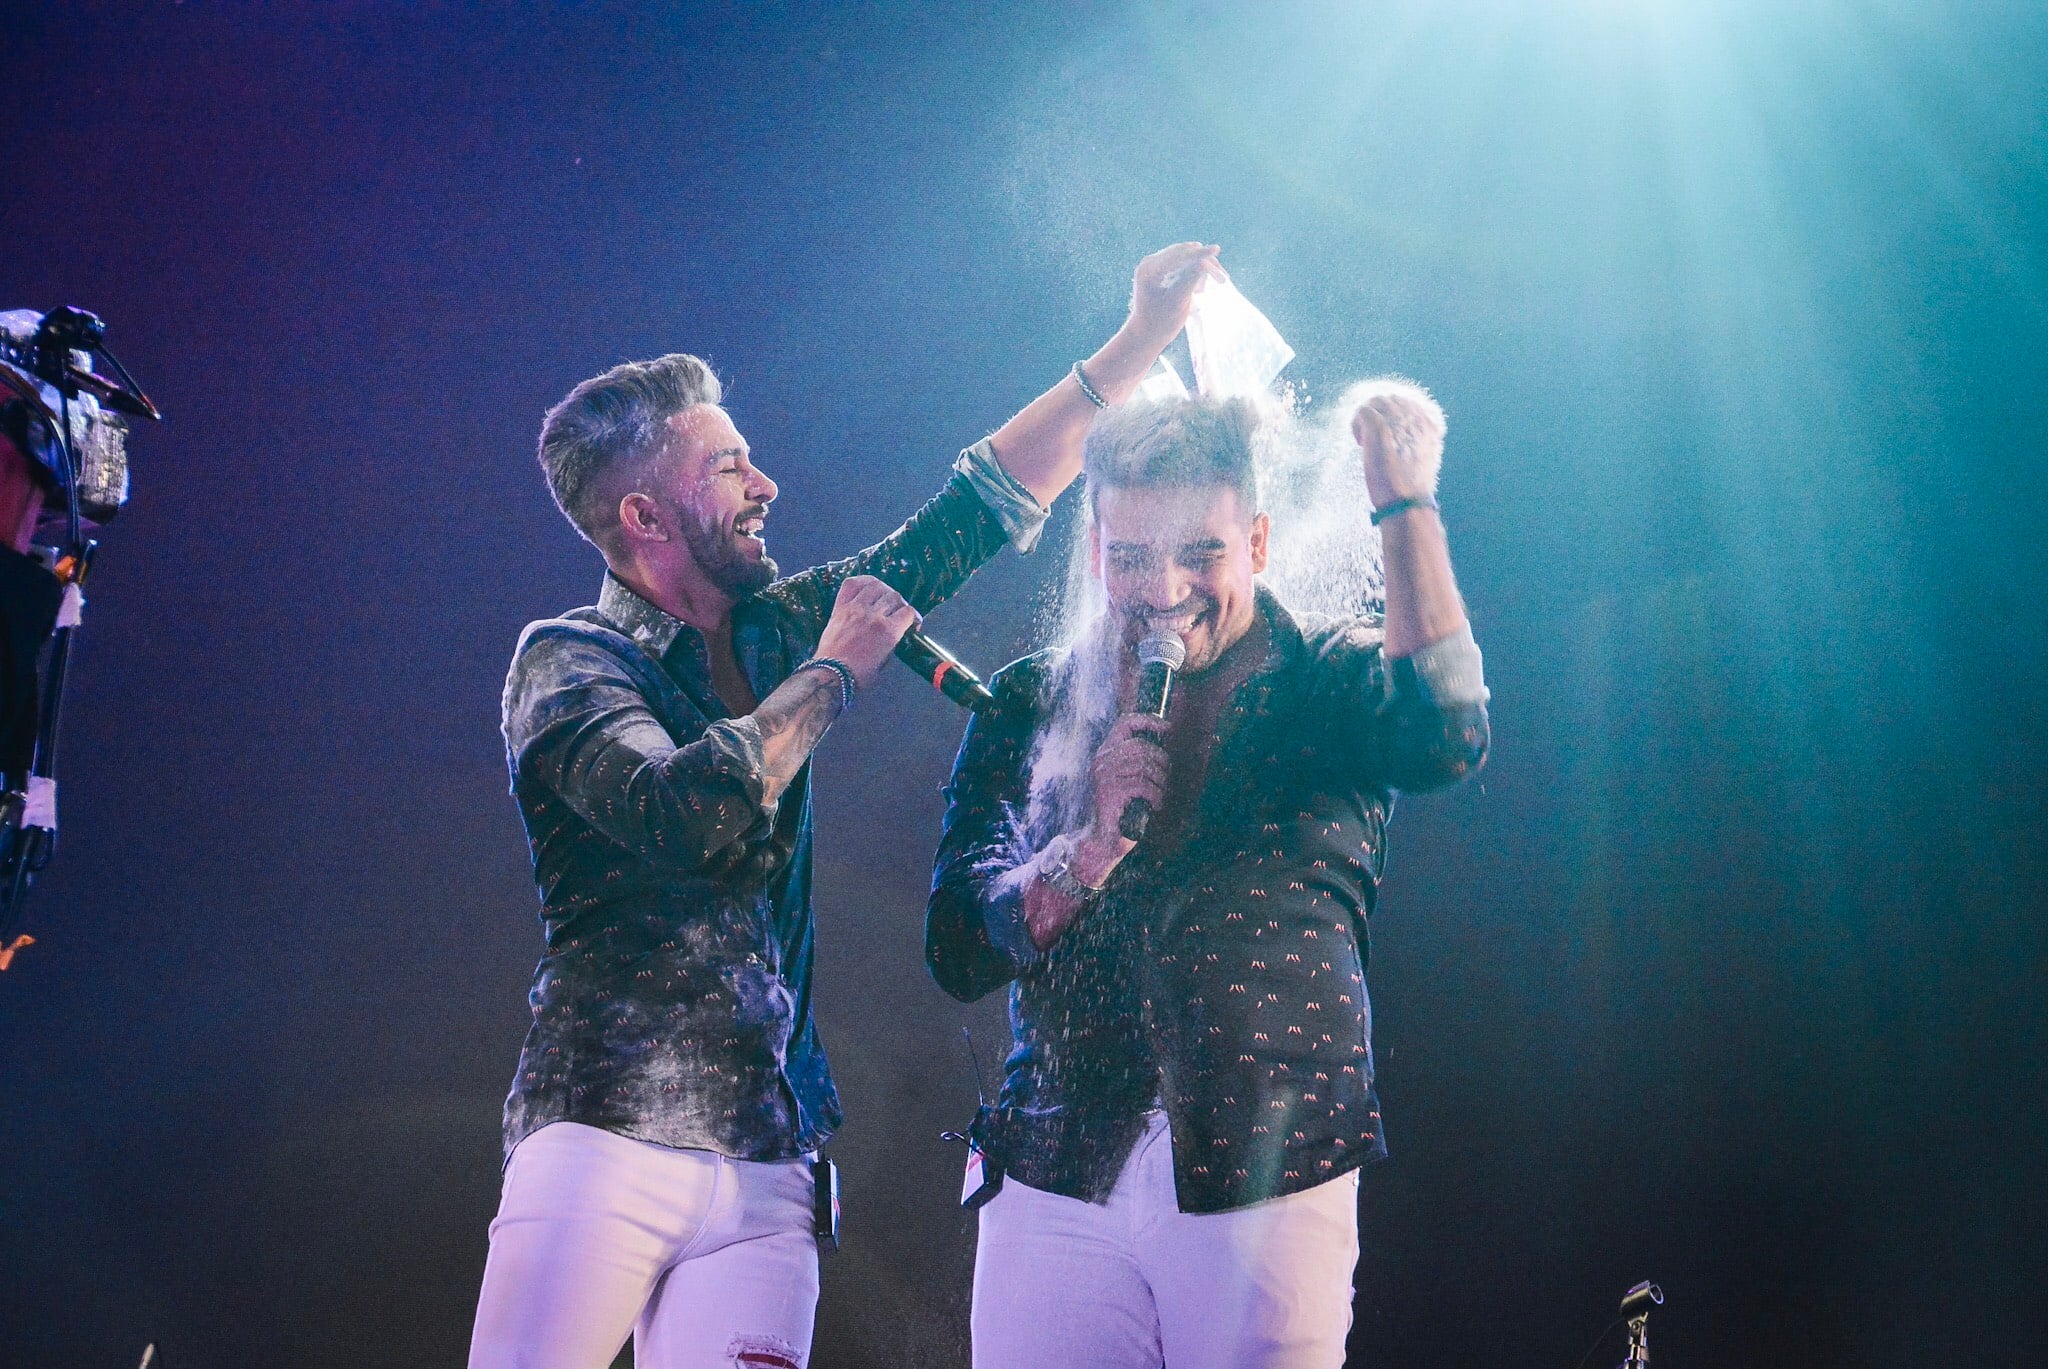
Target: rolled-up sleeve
(1016, 508)
(1450, 671)
(577, 722)
(1411, 723)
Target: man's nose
(1165, 588)
(762, 490)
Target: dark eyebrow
(728, 452)
(1207, 544)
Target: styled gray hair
(1180, 442)
(604, 434)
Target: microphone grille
(1163, 648)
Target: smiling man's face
(1179, 558)
(720, 500)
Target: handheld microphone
(1158, 657)
(942, 670)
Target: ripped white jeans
(707, 1262)
(1135, 1283)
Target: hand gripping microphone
(942, 670)
(1158, 657)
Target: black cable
(28, 850)
(129, 381)
(14, 870)
(1596, 1343)
(974, 1057)
(70, 469)
(44, 846)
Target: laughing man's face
(1179, 558)
(720, 498)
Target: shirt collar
(654, 629)
(1284, 641)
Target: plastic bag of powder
(1235, 348)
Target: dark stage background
(1730, 973)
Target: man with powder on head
(1190, 1091)
(672, 1089)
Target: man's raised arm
(1004, 484)
(1434, 731)
(1041, 447)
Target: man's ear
(640, 519)
(1094, 549)
(1261, 525)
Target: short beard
(718, 555)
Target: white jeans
(704, 1260)
(1137, 1283)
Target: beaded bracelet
(848, 686)
(1081, 379)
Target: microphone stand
(1635, 1308)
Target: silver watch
(1056, 868)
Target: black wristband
(1400, 506)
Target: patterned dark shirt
(1221, 976)
(673, 1003)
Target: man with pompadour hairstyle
(601, 436)
(672, 1092)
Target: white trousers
(1137, 1283)
(704, 1260)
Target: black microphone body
(1159, 657)
(942, 670)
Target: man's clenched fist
(1400, 434)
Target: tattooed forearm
(792, 721)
